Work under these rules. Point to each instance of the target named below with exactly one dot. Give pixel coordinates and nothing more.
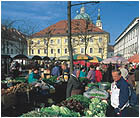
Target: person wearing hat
(34, 76)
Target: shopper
(91, 74)
(124, 72)
(98, 75)
(83, 72)
(56, 70)
(119, 94)
(74, 84)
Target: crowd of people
(121, 77)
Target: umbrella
(82, 57)
(46, 58)
(134, 58)
(115, 60)
(96, 59)
(36, 57)
(20, 56)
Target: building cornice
(127, 29)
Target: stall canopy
(20, 56)
(115, 60)
(96, 59)
(46, 58)
(36, 57)
(82, 57)
(134, 58)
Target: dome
(83, 15)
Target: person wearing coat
(119, 94)
(98, 75)
(34, 76)
(74, 84)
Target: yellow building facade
(57, 39)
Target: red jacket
(98, 76)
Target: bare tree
(83, 30)
(19, 29)
(102, 46)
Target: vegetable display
(97, 108)
(73, 105)
(22, 87)
(82, 99)
(53, 111)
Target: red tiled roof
(61, 27)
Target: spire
(98, 22)
(98, 15)
(82, 9)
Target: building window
(58, 51)
(73, 40)
(82, 40)
(100, 50)
(51, 51)
(45, 42)
(32, 51)
(91, 50)
(11, 51)
(45, 51)
(82, 50)
(100, 39)
(58, 41)
(32, 42)
(51, 41)
(38, 42)
(66, 41)
(66, 50)
(7, 50)
(135, 32)
(91, 40)
(74, 50)
(7, 43)
(38, 51)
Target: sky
(115, 15)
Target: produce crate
(8, 101)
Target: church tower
(98, 22)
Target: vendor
(74, 84)
(65, 72)
(34, 76)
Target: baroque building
(87, 38)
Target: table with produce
(93, 102)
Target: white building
(127, 43)
(13, 42)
